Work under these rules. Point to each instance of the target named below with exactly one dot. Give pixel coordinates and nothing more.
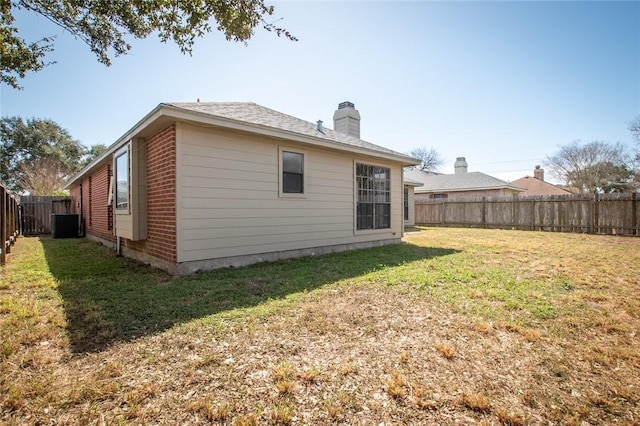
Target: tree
(593, 167)
(25, 144)
(92, 153)
(634, 128)
(105, 25)
(44, 176)
(430, 159)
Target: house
(460, 184)
(536, 185)
(197, 186)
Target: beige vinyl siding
(229, 203)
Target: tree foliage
(91, 153)
(593, 167)
(105, 25)
(26, 145)
(634, 128)
(430, 159)
(44, 176)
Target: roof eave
(479, 188)
(152, 116)
(181, 114)
(230, 123)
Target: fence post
(484, 212)
(596, 213)
(444, 212)
(514, 212)
(3, 224)
(533, 214)
(634, 214)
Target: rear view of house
(196, 186)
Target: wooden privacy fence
(614, 214)
(9, 221)
(37, 210)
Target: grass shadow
(109, 299)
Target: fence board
(614, 214)
(9, 222)
(37, 210)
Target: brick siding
(161, 200)
(94, 199)
(161, 195)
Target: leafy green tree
(105, 25)
(24, 146)
(91, 153)
(593, 167)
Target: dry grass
(455, 327)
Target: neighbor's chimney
(538, 173)
(346, 119)
(460, 165)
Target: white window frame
(305, 180)
(374, 229)
(126, 150)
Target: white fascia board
(139, 126)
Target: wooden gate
(37, 210)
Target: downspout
(81, 215)
(118, 251)
(402, 198)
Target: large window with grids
(373, 197)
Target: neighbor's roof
(247, 117)
(410, 182)
(536, 186)
(470, 181)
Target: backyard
(454, 326)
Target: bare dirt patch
(498, 331)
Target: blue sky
(503, 84)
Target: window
(406, 203)
(292, 172)
(373, 197)
(122, 180)
(438, 196)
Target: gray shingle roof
(249, 112)
(457, 182)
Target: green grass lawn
(452, 326)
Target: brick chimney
(538, 173)
(460, 165)
(346, 119)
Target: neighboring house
(536, 185)
(196, 186)
(460, 184)
(409, 201)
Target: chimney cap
(346, 104)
